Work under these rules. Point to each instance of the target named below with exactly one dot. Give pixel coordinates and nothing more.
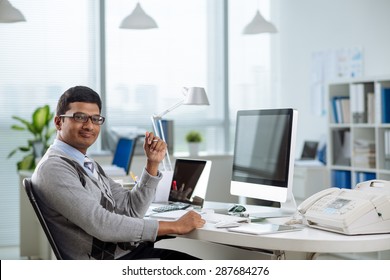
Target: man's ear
(58, 122)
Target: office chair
(30, 193)
(124, 153)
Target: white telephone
(363, 210)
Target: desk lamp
(192, 96)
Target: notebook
(189, 182)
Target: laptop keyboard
(171, 207)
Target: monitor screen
(263, 159)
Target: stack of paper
(364, 153)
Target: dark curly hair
(77, 94)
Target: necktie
(89, 164)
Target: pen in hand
(133, 177)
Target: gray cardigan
(90, 218)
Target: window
(147, 69)
(40, 59)
(144, 72)
(249, 61)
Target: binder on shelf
(358, 103)
(334, 107)
(345, 109)
(386, 105)
(341, 179)
(168, 135)
(364, 176)
(341, 147)
(386, 144)
(341, 109)
(370, 107)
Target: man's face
(79, 135)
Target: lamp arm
(170, 109)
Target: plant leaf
(23, 121)
(40, 118)
(17, 127)
(27, 163)
(12, 153)
(24, 149)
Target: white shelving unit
(366, 127)
(359, 124)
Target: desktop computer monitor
(263, 159)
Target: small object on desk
(171, 207)
(227, 224)
(215, 218)
(294, 221)
(266, 228)
(237, 208)
(170, 215)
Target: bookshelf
(359, 131)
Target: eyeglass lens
(80, 117)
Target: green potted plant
(39, 126)
(194, 138)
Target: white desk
(304, 244)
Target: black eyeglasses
(83, 118)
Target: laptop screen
(185, 178)
(309, 150)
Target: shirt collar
(69, 150)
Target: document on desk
(215, 218)
(210, 217)
(266, 228)
(169, 215)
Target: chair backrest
(124, 153)
(30, 193)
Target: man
(90, 216)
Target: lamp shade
(259, 25)
(9, 13)
(138, 19)
(196, 96)
(193, 96)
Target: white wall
(307, 26)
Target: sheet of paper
(258, 229)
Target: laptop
(309, 154)
(188, 185)
(309, 151)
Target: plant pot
(193, 149)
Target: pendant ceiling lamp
(138, 19)
(9, 13)
(259, 25)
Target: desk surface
(306, 240)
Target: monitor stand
(287, 209)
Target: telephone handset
(363, 210)
(304, 206)
(374, 185)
